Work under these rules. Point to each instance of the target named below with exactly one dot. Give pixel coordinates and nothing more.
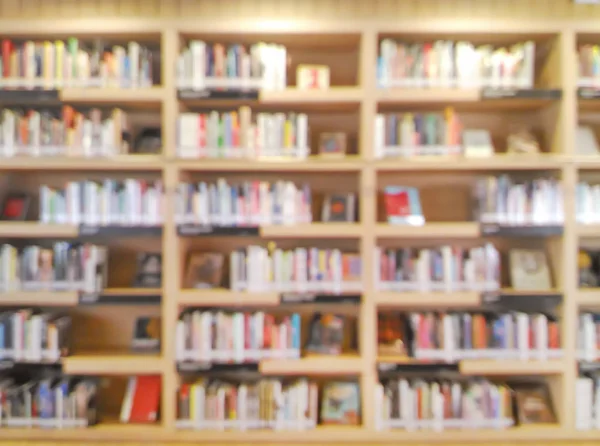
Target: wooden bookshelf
(309, 24)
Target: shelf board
(533, 293)
(313, 366)
(34, 229)
(119, 363)
(313, 230)
(117, 163)
(429, 230)
(40, 298)
(350, 163)
(427, 299)
(463, 99)
(584, 162)
(588, 297)
(122, 296)
(221, 297)
(588, 231)
(332, 98)
(125, 96)
(114, 431)
(494, 163)
(504, 367)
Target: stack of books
(443, 269)
(63, 267)
(238, 337)
(68, 133)
(587, 402)
(588, 203)
(505, 201)
(588, 337)
(417, 134)
(455, 64)
(238, 135)
(203, 65)
(30, 336)
(258, 269)
(74, 63)
(129, 202)
(248, 203)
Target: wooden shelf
(117, 163)
(33, 229)
(588, 231)
(226, 298)
(503, 367)
(351, 163)
(540, 293)
(40, 298)
(120, 363)
(588, 297)
(428, 299)
(294, 96)
(313, 366)
(125, 96)
(313, 230)
(585, 162)
(495, 163)
(429, 230)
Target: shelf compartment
(428, 299)
(226, 298)
(588, 231)
(113, 364)
(40, 298)
(33, 229)
(313, 365)
(313, 230)
(503, 367)
(588, 297)
(119, 163)
(429, 230)
(350, 163)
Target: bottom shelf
(324, 434)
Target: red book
(7, 47)
(146, 398)
(397, 204)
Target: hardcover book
(533, 404)
(204, 270)
(339, 208)
(148, 272)
(529, 270)
(326, 334)
(146, 335)
(340, 403)
(403, 206)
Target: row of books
(73, 63)
(589, 66)
(251, 203)
(438, 404)
(415, 134)
(203, 65)
(587, 407)
(61, 267)
(31, 336)
(587, 203)
(445, 63)
(259, 269)
(237, 135)
(447, 269)
(588, 337)
(68, 133)
(129, 202)
(452, 337)
(216, 337)
(508, 201)
(267, 403)
(54, 402)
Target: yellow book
(59, 60)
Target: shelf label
(209, 93)
(37, 95)
(207, 230)
(488, 297)
(297, 297)
(521, 93)
(588, 93)
(89, 298)
(6, 364)
(193, 366)
(89, 230)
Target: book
(148, 270)
(340, 403)
(146, 334)
(326, 334)
(403, 206)
(339, 208)
(15, 207)
(533, 404)
(141, 400)
(204, 270)
(332, 144)
(392, 335)
(312, 77)
(477, 143)
(529, 270)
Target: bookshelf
(353, 101)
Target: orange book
(144, 408)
